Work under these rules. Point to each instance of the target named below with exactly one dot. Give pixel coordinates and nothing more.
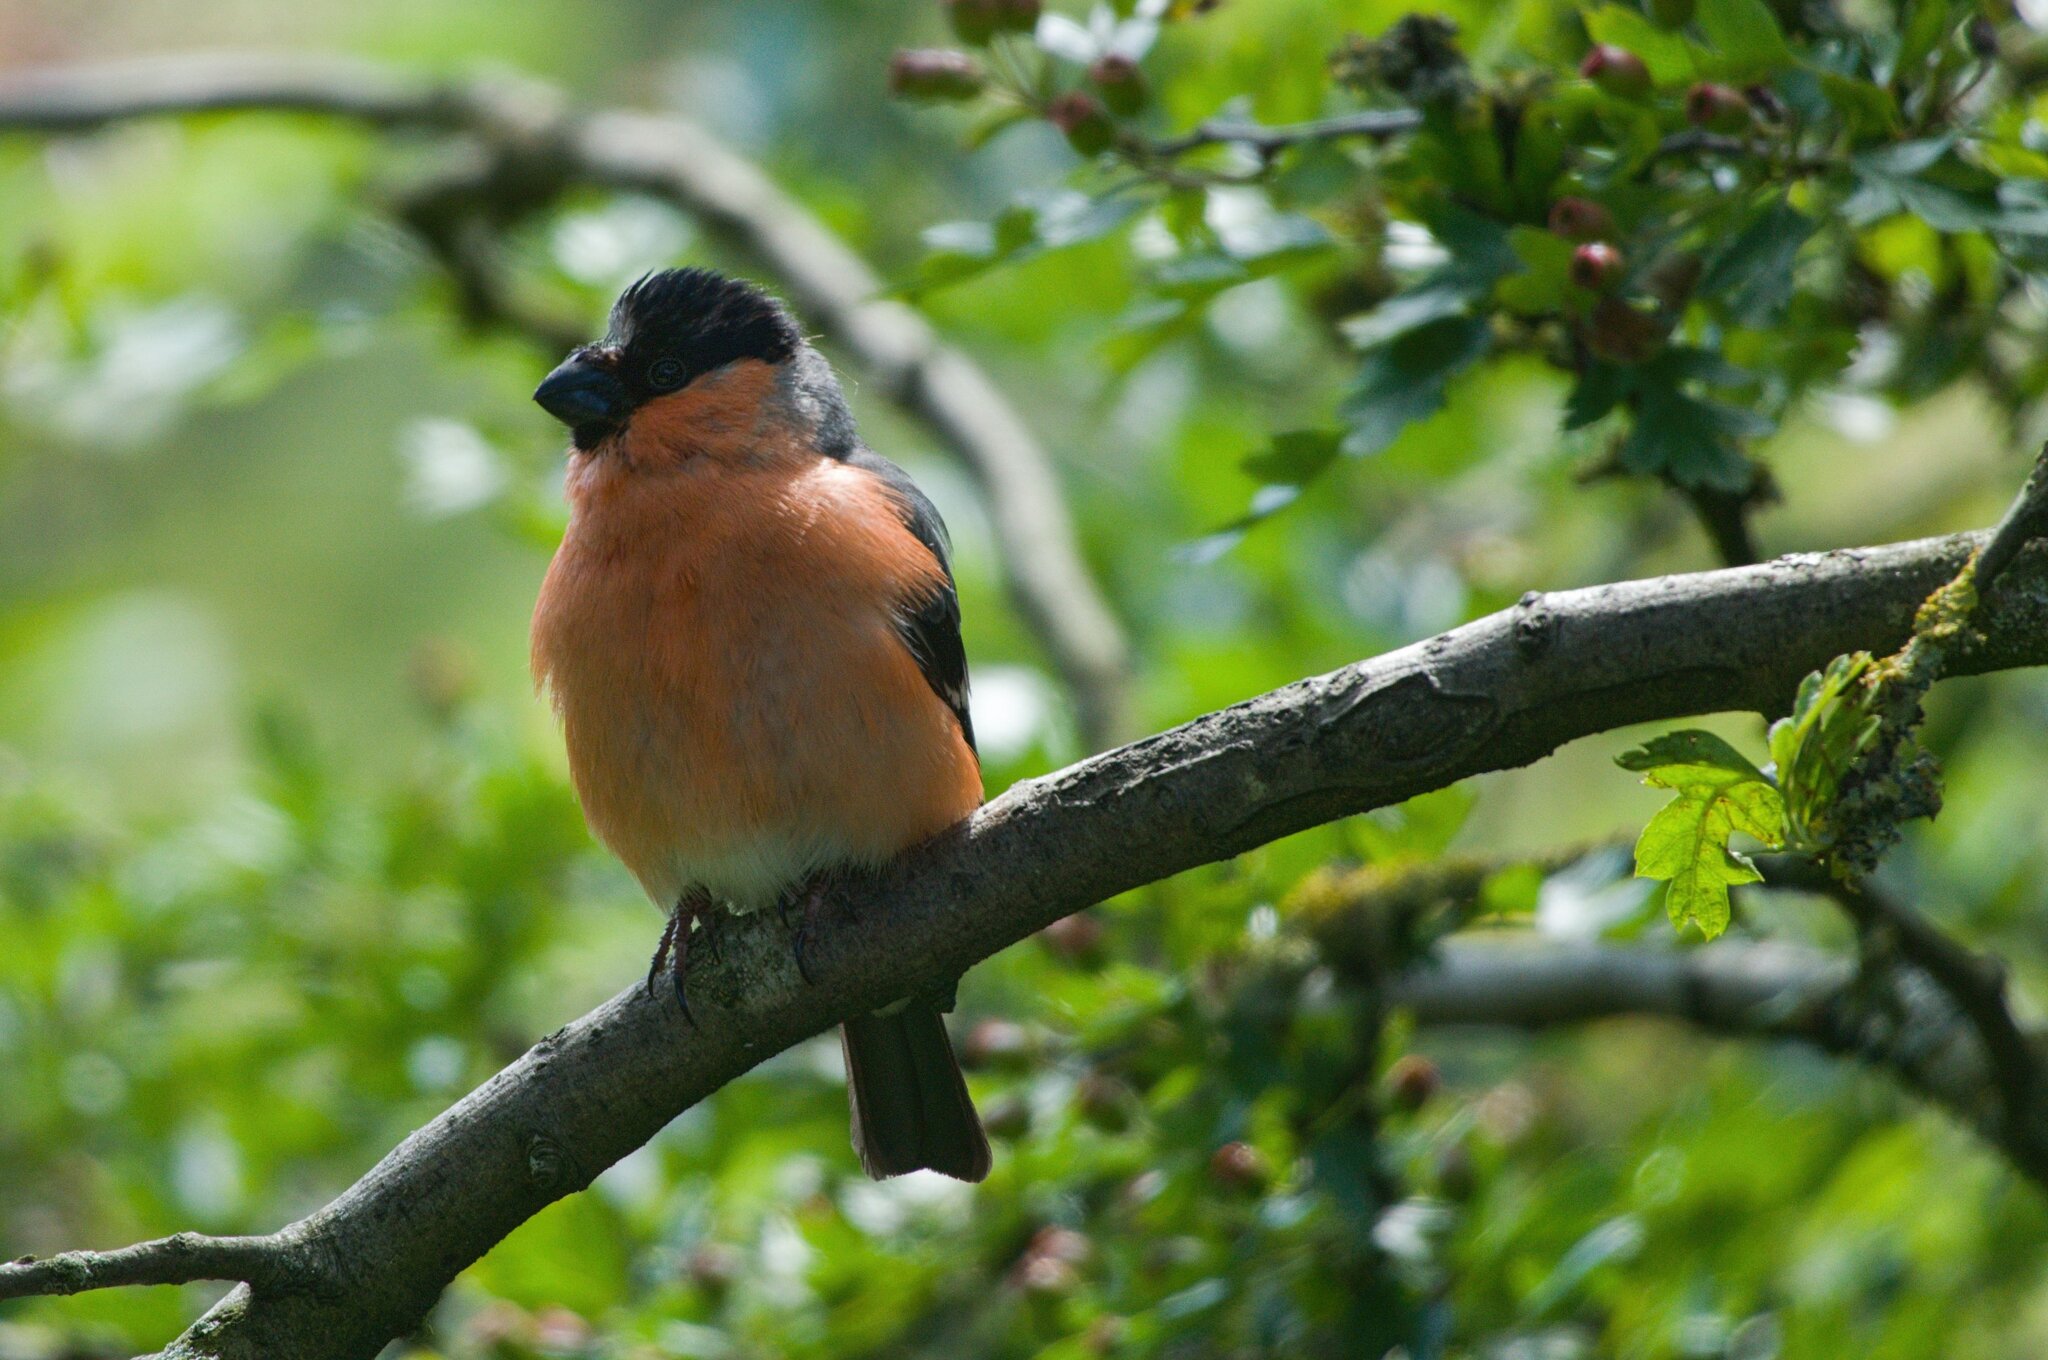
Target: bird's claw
(813, 899)
(661, 953)
(674, 950)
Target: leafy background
(288, 860)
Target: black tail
(910, 1103)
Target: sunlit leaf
(1719, 792)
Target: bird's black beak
(586, 396)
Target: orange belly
(739, 709)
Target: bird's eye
(664, 374)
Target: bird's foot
(674, 949)
(809, 898)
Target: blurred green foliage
(288, 859)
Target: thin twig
(1376, 124)
(2025, 520)
(265, 1262)
(1768, 990)
(1975, 982)
(1725, 517)
(1695, 141)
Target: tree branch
(271, 1262)
(533, 148)
(1974, 985)
(1752, 991)
(1499, 692)
(1935, 1015)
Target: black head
(667, 330)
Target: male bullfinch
(751, 636)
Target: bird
(751, 636)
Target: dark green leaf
(1599, 388)
(1752, 276)
(1691, 746)
(1296, 456)
(1539, 285)
(1430, 301)
(1868, 108)
(1744, 38)
(1689, 440)
(1403, 381)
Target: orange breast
(718, 637)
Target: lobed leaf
(1720, 792)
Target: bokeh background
(288, 860)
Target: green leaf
(1279, 235)
(1600, 388)
(1481, 253)
(1294, 459)
(1924, 179)
(1689, 747)
(1819, 741)
(985, 128)
(1690, 439)
(1034, 224)
(1295, 456)
(1686, 844)
(1432, 300)
(1539, 286)
(1744, 38)
(1753, 275)
(1869, 109)
(1922, 30)
(1405, 380)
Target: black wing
(930, 627)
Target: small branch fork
(523, 148)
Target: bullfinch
(751, 636)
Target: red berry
(1045, 1276)
(1616, 70)
(1412, 1080)
(1075, 939)
(1047, 1266)
(1009, 1117)
(1238, 1166)
(1717, 108)
(1121, 83)
(1581, 219)
(935, 73)
(1104, 1334)
(714, 1266)
(560, 1330)
(1104, 1102)
(1597, 266)
(996, 1044)
(1085, 122)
